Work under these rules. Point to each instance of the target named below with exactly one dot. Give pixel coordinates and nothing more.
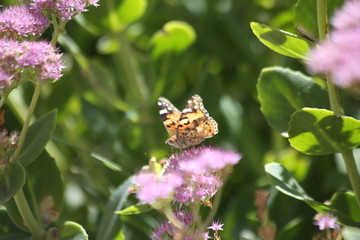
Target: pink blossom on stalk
(153, 187)
(326, 222)
(22, 21)
(339, 55)
(64, 9)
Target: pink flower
(216, 226)
(204, 160)
(64, 9)
(339, 55)
(39, 59)
(153, 187)
(22, 21)
(348, 16)
(325, 222)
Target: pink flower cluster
(192, 178)
(40, 59)
(64, 9)
(339, 55)
(22, 21)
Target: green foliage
(282, 92)
(122, 56)
(320, 132)
(38, 135)
(282, 42)
(12, 178)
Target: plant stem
(335, 101)
(29, 115)
(352, 173)
(26, 214)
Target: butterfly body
(189, 127)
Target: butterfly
(189, 127)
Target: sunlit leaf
(319, 132)
(72, 231)
(282, 91)
(351, 233)
(175, 36)
(135, 209)
(282, 42)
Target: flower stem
(26, 214)
(352, 173)
(29, 115)
(335, 102)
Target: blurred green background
(125, 54)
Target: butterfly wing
(169, 114)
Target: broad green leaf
(284, 43)
(346, 202)
(318, 132)
(110, 222)
(45, 188)
(283, 181)
(175, 36)
(306, 19)
(72, 231)
(131, 10)
(282, 91)
(12, 179)
(135, 209)
(351, 233)
(36, 138)
(280, 177)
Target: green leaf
(346, 202)
(283, 181)
(319, 132)
(12, 179)
(36, 138)
(351, 233)
(284, 43)
(282, 91)
(307, 23)
(131, 10)
(72, 231)
(45, 188)
(135, 209)
(175, 36)
(110, 222)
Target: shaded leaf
(319, 132)
(110, 222)
(346, 202)
(12, 180)
(36, 138)
(282, 91)
(45, 188)
(283, 181)
(284, 43)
